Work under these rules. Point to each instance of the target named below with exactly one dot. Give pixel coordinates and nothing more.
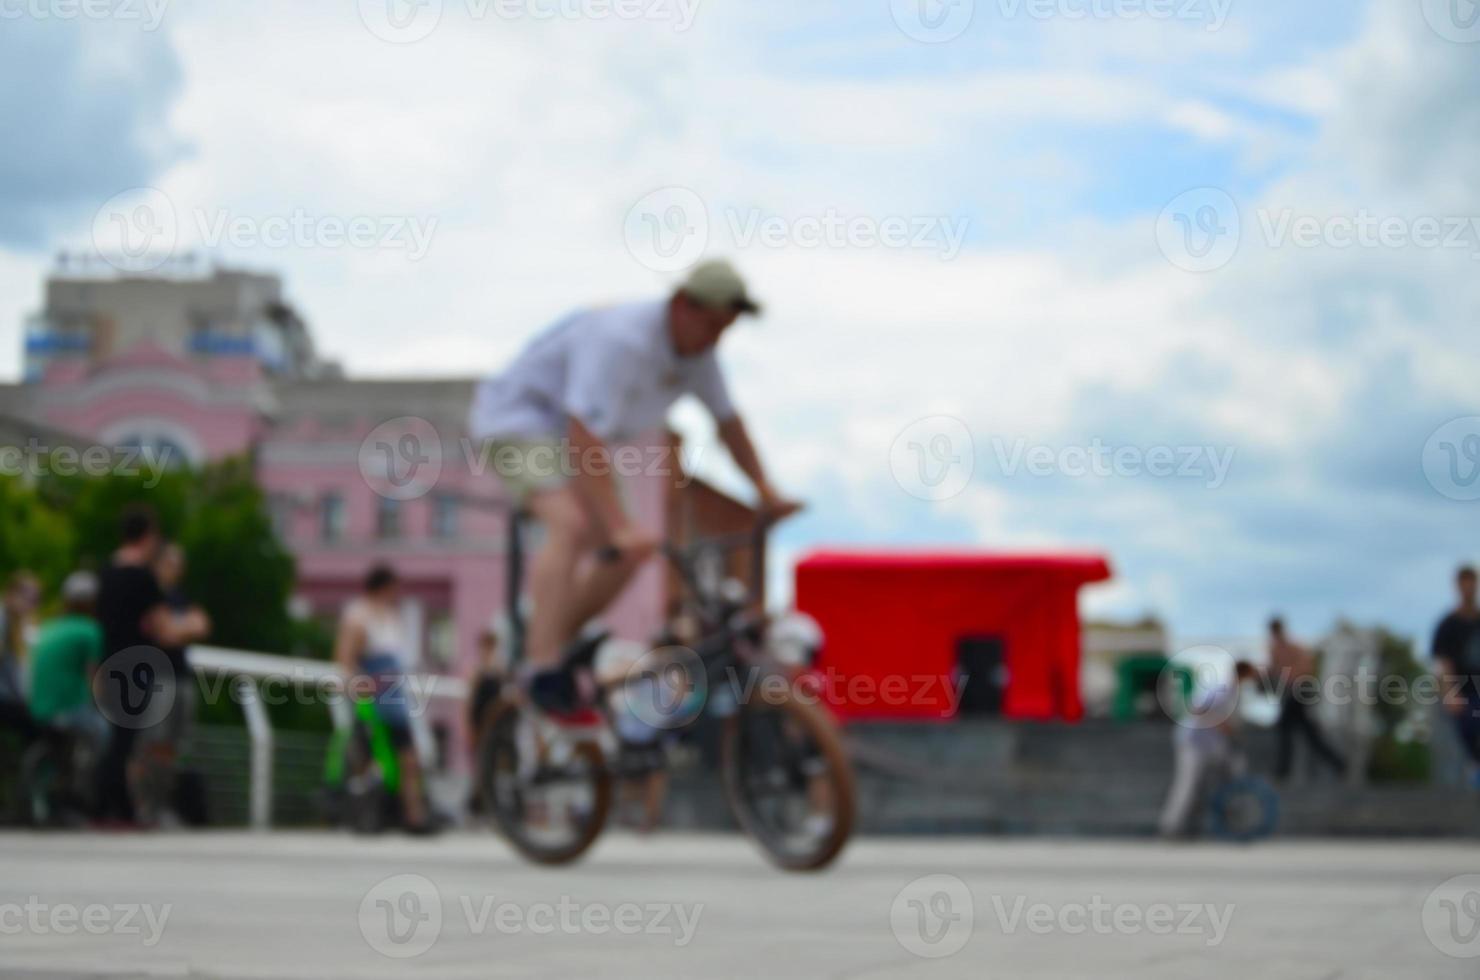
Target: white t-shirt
(385, 630)
(613, 368)
(1210, 707)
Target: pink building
(215, 364)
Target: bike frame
(381, 749)
(723, 624)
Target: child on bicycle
(1207, 749)
(372, 648)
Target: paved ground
(321, 905)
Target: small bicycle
(1243, 809)
(362, 774)
(787, 778)
(51, 790)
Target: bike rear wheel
(551, 800)
(789, 781)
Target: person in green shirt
(64, 658)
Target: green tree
(1401, 750)
(33, 536)
(238, 570)
(91, 505)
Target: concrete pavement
(236, 905)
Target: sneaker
(554, 692)
(565, 696)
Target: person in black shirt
(488, 681)
(161, 744)
(136, 680)
(1457, 657)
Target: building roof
(1083, 567)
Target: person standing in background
(1292, 672)
(64, 661)
(162, 744)
(1456, 650)
(136, 620)
(488, 679)
(22, 595)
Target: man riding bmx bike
(597, 377)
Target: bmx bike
(548, 784)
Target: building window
(442, 640)
(331, 517)
(444, 516)
(388, 519)
(280, 514)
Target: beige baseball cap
(716, 285)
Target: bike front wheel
(1244, 810)
(548, 791)
(789, 781)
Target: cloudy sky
(1191, 282)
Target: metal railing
(249, 669)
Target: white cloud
(530, 142)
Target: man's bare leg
(552, 577)
(596, 587)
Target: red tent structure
(902, 627)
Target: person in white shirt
(594, 379)
(373, 650)
(1206, 747)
